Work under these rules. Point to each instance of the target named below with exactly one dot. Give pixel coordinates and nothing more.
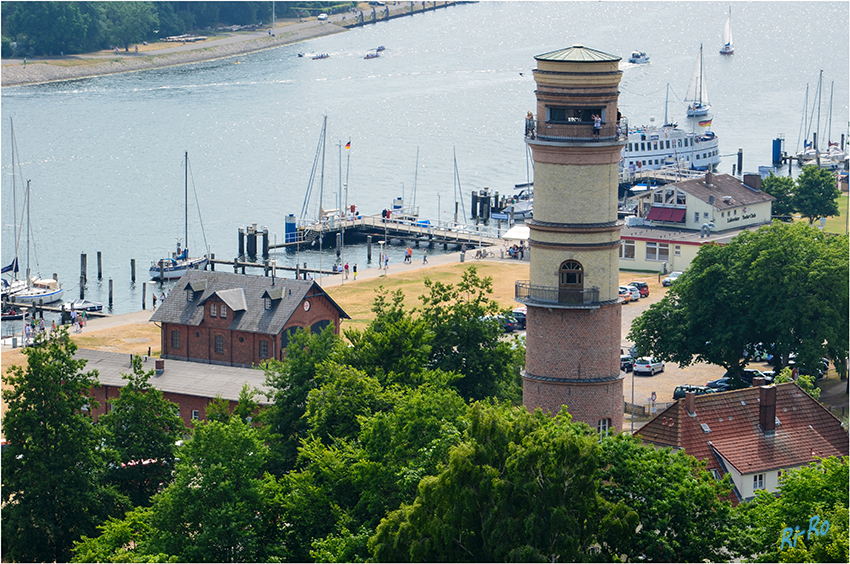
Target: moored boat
(82, 305)
(697, 97)
(651, 148)
(372, 55)
(321, 56)
(180, 262)
(39, 290)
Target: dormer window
(190, 295)
(267, 302)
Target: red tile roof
(806, 430)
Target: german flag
(705, 123)
(348, 145)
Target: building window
(696, 217)
(716, 473)
(677, 250)
(190, 295)
(658, 197)
(705, 215)
(657, 251)
(175, 338)
(319, 326)
(758, 482)
(570, 282)
(267, 302)
(212, 310)
(223, 311)
(627, 249)
(264, 348)
(603, 425)
(219, 344)
(196, 414)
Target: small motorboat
(300, 54)
(381, 48)
(638, 57)
(82, 305)
(372, 55)
(321, 56)
(13, 313)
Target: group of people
(78, 320)
(516, 251)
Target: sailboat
(176, 266)
(32, 290)
(697, 97)
(38, 290)
(728, 48)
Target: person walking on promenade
(346, 271)
(355, 271)
(425, 256)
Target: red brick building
(192, 386)
(238, 320)
(754, 434)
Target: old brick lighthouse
(574, 325)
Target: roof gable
(244, 295)
(722, 191)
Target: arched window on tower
(571, 282)
(603, 425)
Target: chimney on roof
(758, 381)
(689, 402)
(160, 366)
(752, 181)
(709, 178)
(767, 409)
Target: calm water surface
(105, 154)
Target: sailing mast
(186, 204)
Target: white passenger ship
(651, 147)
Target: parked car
(322, 17)
(672, 277)
(626, 362)
(626, 294)
(635, 293)
(749, 374)
(648, 365)
(520, 314)
(642, 286)
(721, 384)
(508, 321)
(758, 353)
(680, 391)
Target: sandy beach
(18, 72)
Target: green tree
(682, 515)
(721, 306)
(121, 540)
(48, 28)
(468, 344)
(781, 188)
(289, 382)
(53, 487)
(519, 487)
(395, 347)
(818, 490)
(816, 193)
(143, 427)
(210, 512)
(129, 22)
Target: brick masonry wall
(587, 403)
(573, 343)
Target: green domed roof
(577, 54)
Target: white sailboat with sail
(13, 285)
(728, 48)
(697, 97)
(179, 263)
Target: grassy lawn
(838, 224)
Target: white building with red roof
(754, 434)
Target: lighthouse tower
(574, 318)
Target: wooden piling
(133, 270)
(83, 267)
(82, 287)
(99, 265)
(368, 248)
(740, 161)
(110, 292)
(212, 264)
(144, 291)
(338, 244)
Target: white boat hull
(172, 270)
(36, 295)
(698, 110)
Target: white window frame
(758, 482)
(223, 311)
(196, 415)
(212, 310)
(603, 425)
(625, 245)
(654, 251)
